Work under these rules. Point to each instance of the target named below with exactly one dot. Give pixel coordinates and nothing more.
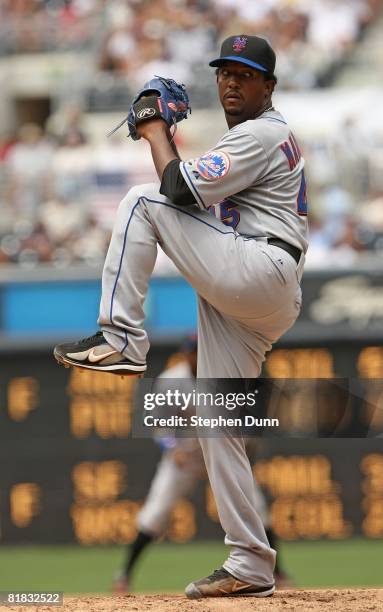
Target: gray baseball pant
(169, 484)
(246, 300)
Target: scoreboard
(71, 470)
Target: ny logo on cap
(239, 43)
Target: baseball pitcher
(234, 222)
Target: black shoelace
(95, 336)
(218, 573)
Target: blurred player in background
(178, 474)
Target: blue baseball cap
(250, 50)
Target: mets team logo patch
(239, 43)
(213, 165)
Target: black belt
(289, 248)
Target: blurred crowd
(33, 26)
(59, 187)
(176, 37)
(345, 170)
(134, 39)
(59, 191)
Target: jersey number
(302, 196)
(228, 213)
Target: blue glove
(159, 98)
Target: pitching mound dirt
(326, 600)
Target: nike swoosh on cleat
(236, 588)
(239, 587)
(95, 358)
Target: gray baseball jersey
(248, 289)
(253, 180)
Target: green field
(169, 567)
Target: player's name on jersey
(176, 421)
